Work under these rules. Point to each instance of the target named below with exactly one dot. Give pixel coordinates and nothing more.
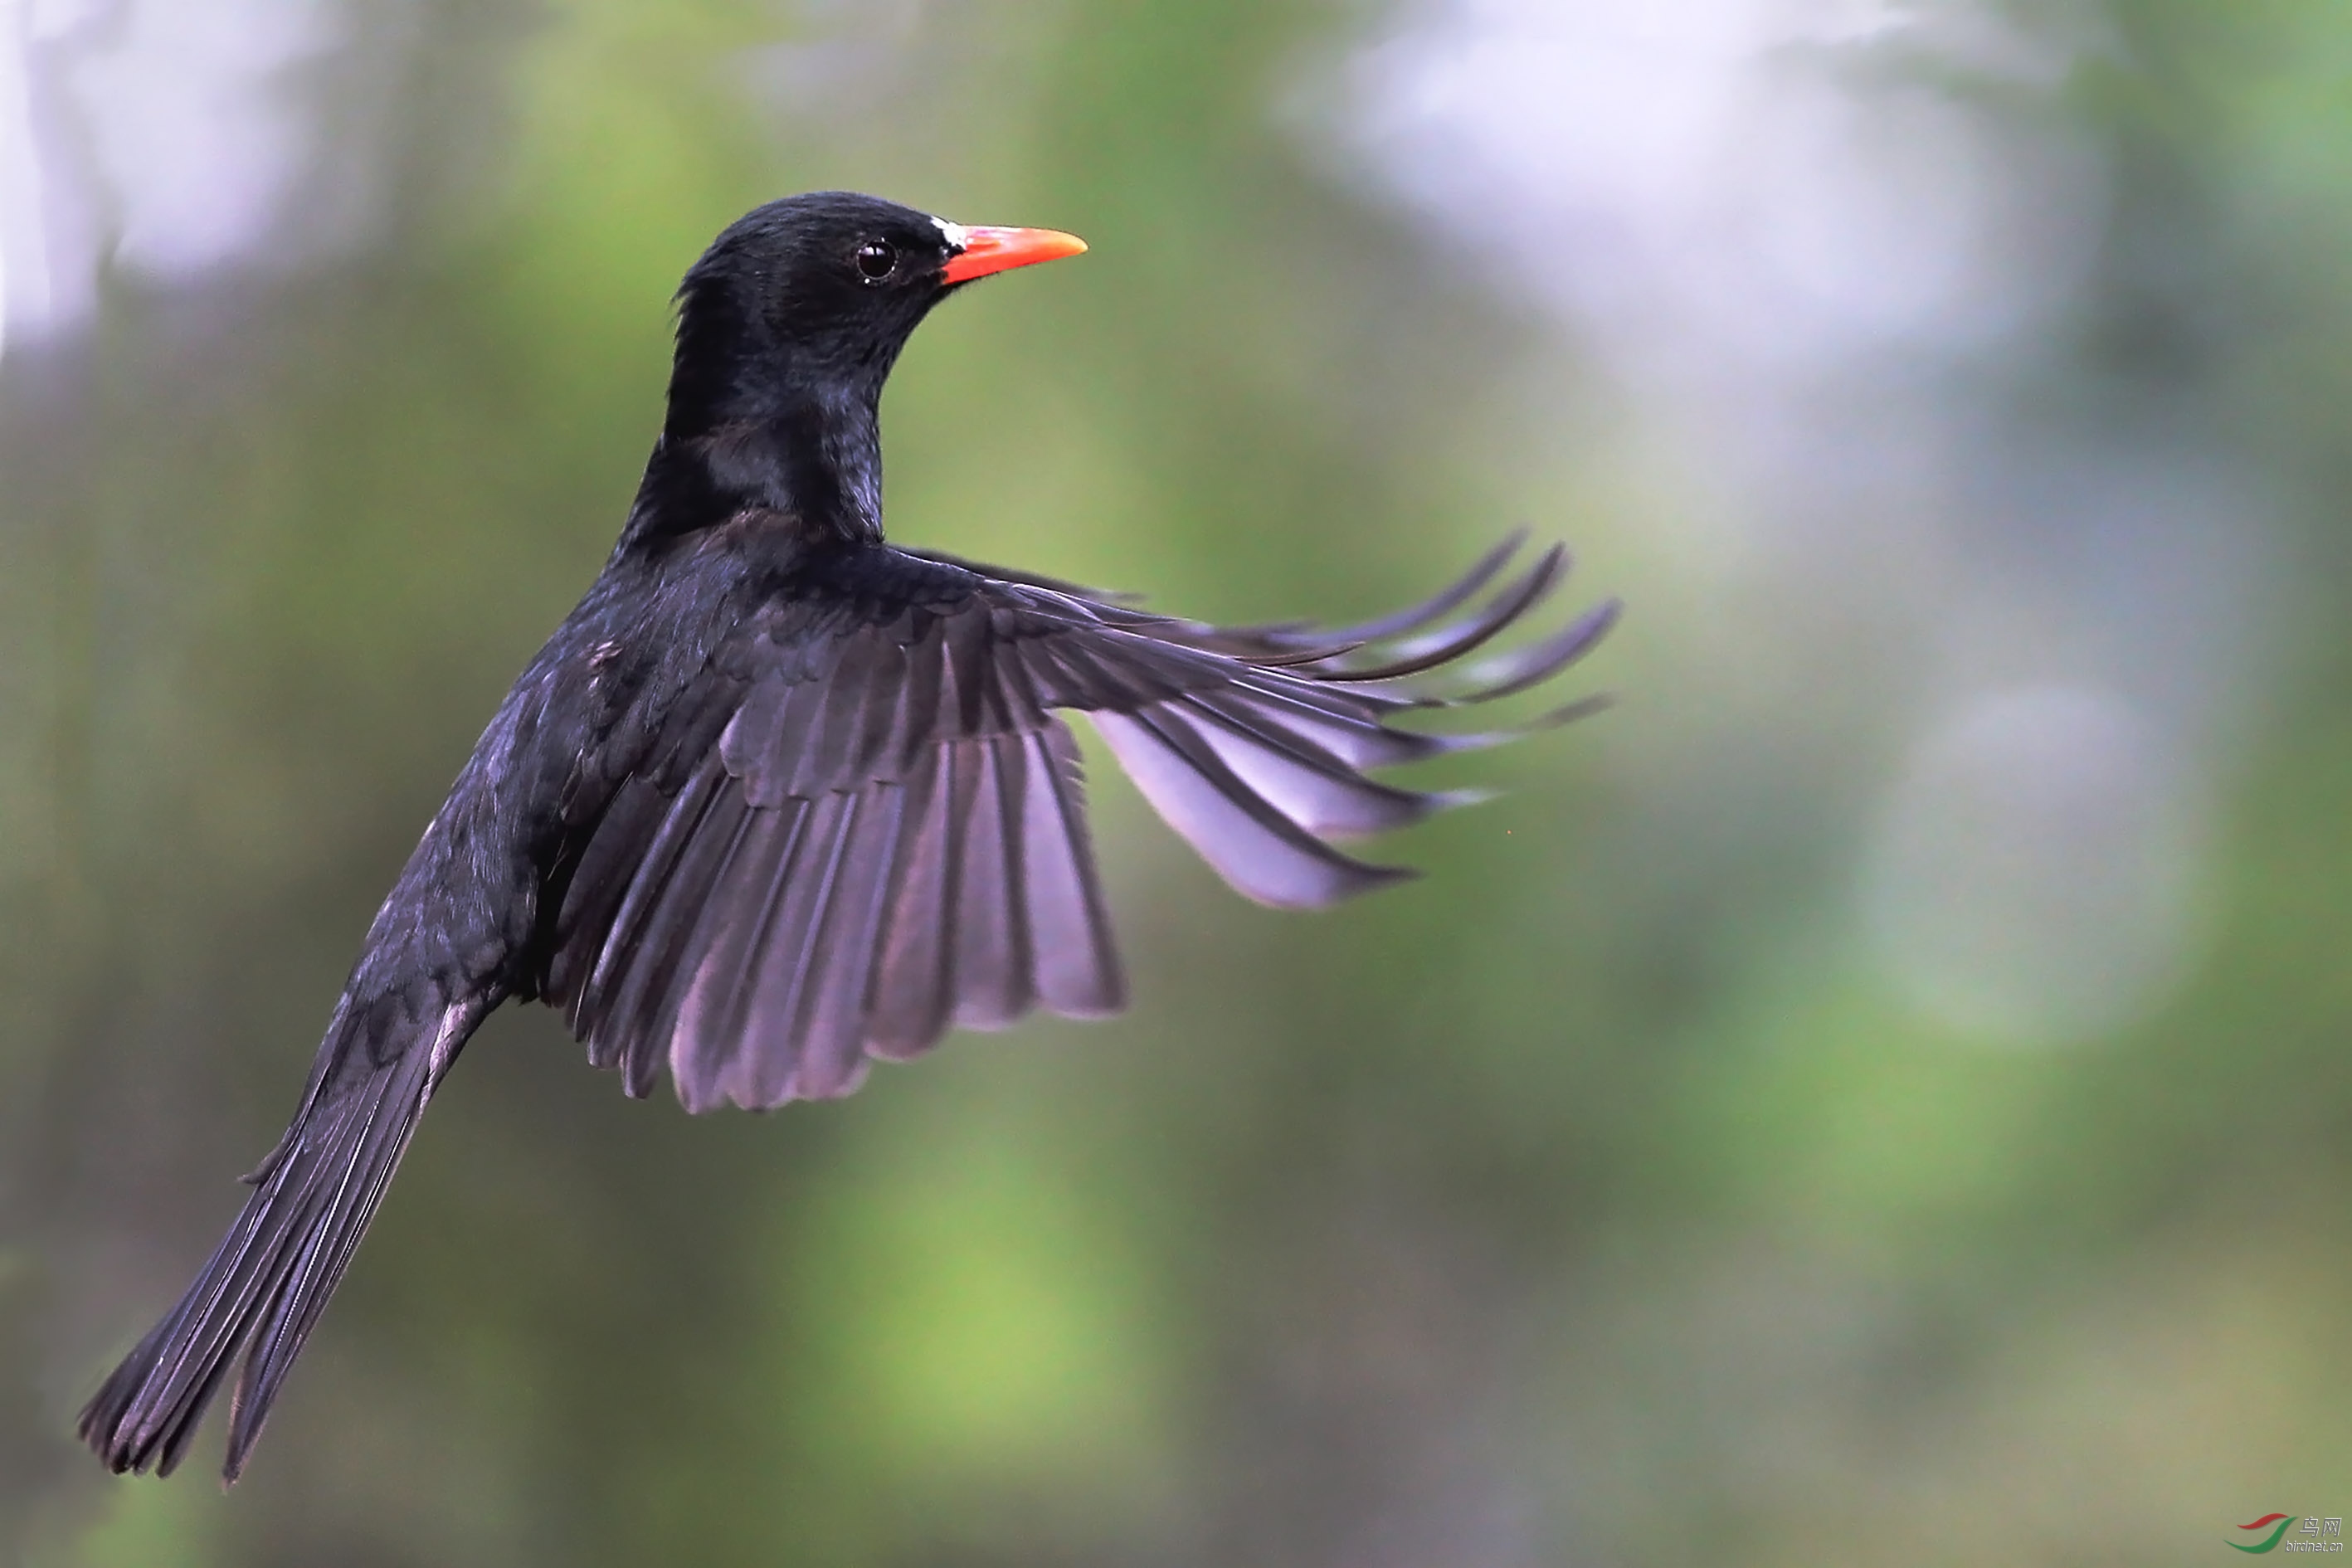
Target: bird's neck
(755, 424)
(814, 458)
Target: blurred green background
(1879, 1094)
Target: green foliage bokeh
(1592, 1200)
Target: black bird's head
(787, 328)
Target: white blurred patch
(2030, 880)
(1783, 179)
(162, 136)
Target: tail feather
(261, 1292)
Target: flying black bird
(778, 798)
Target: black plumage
(778, 799)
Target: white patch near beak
(957, 236)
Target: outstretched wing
(866, 823)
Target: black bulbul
(779, 798)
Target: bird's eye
(877, 259)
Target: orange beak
(987, 250)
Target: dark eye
(877, 259)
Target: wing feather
(756, 1068)
(1303, 783)
(836, 1003)
(597, 1016)
(915, 984)
(993, 963)
(1077, 969)
(714, 1020)
(1263, 854)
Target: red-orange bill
(987, 250)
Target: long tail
(261, 1292)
